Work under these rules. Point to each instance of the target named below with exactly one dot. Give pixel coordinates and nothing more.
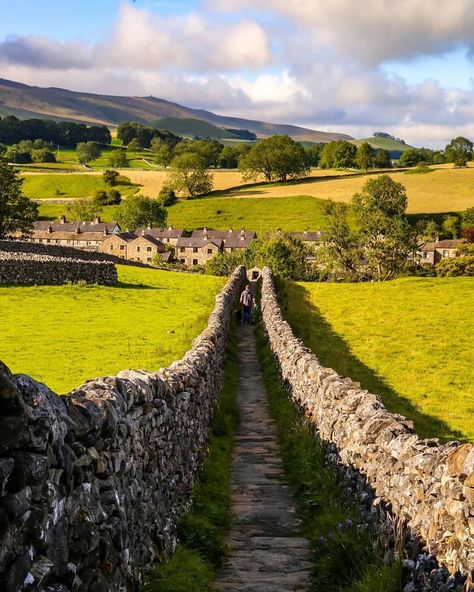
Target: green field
(262, 215)
(191, 127)
(63, 335)
(59, 186)
(409, 340)
(384, 143)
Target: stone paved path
(268, 553)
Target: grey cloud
(42, 52)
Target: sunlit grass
(409, 340)
(63, 335)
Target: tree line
(64, 133)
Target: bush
(108, 198)
(118, 159)
(167, 196)
(43, 155)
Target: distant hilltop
(26, 102)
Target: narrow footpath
(267, 551)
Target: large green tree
(338, 155)
(277, 158)
(83, 209)
(365, 156)
(17, 212)
(459, 151)
(189, 176)
(88, 151)
(139, 210)
(386, 237)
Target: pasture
(408, 340)
(64, 335)
(70, 185)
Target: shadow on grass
(136, 286)
(334, 352)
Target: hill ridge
(25, 101)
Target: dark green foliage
(110, 177)
(452, 226)
(108, 198)
(365, 156)
(190, 176)
(139, 210)
(131, 130)
(461, 265)
(338, 155)
(65, 133)
(87, 151)
(167, 196)
(459, 151)
(203, 530)
(277, 158)
(411, 157)
(468, 218)
(118, 158)
(382, 159)
(313, 154)
(344, 553)
(17, 212)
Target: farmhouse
(192, 251)
(168, 235)
(117, 244)
(431, 253)
(143, 248)
(81, 235)
(310, 238)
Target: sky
(404, 67)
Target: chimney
(106, 232)
(143, 231)
(62, 219)
(170, 227)
(242, 234)
(231, 230)
(97, 220)
(148, 226)
(204, 232)
(50, 229)
(305, 233)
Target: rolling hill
(394, 147)
(189, 126)
(26, 101)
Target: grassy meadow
(408, 340)
(63, 335)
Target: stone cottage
(192, 251)
(168, 236)
(431, 253)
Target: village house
(117, 244)
(231, 239)
(431, 253)
(167, 236)
(312, 239)
(192, 251)
(134, 248)
(81, 235)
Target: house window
(148, 249)
(195, 249)
(48, 240)
(209, 251)
(183, 261)
(167, 240)
(182, 249)
(445, 253)
(195, 261)
(122, 247)
(148, 258)
(138, 249)
(425, 255)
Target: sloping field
(444, 189)
(409, 340)
(63, 335)
(69, 185)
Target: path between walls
(267, 551)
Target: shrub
(167, 196)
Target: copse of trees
(139, 210)
(339, 154)
(459, 151)
(64, 133)
(189, 176)
(17, 212)
(88, 151)
(131, 130)
(28, 151)
(277, 158)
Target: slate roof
(103, 227)
(160, 233)
(443, 244)
(224, 235)
(308, 236)
(199, 242)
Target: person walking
(246, 300)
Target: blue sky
(324, 64)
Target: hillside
(26, 101)
(189, 126)
(393, 146)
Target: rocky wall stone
(428, 485)
(93, 482)
(33, 269)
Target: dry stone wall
(91, 483)
(428, 485)
(33, 269)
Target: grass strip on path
(203, 529)
(344, 546)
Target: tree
(83, 209)
(341, 255)
(229, 157)
(410, 157)
(164, 154)
(87, 151)
(189, 176)
(461, 265)
(17, 212)
(338, 155)
(139, 210)
(385, 234)
(133, 145)
(42, 155)
(365, 156)
(108, 198)
(167, 196)
(468, 217)
(313, 154)
(452, 226)
(118, 159)
(110, 177)
(286, 255)
(277, 158)
(382, 159)
(459, 151)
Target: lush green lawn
(61, 186)
(408, 340)
(262, 215)
(63, 335)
